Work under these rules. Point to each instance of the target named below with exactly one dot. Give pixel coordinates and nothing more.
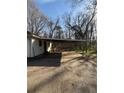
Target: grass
(89, 52)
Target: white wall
(33, 48)
(28, 47)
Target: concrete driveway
(66, 72)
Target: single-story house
(37, 45)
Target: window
(40, 43)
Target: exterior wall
(28, 47)
(64, 46)
(36, 49)
(33, 48)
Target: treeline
(82, 26)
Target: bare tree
(68, 22)
(83, 20)
(58, 32)
(52, 27)
(36, 21)
(84, 23)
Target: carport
(61, 44)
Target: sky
(53, 8)
(57, 8)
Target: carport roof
(61, 40)
(53, 39)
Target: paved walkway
(74, 74)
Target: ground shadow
(48, 59)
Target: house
(37, 45)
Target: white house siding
(35, 48)
(28, 47)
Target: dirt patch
(75, 75)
